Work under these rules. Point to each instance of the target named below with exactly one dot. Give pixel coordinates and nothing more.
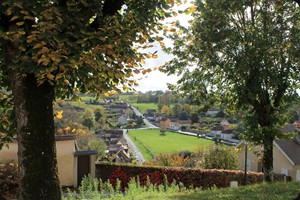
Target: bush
(9, 178)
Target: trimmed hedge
(201, 178)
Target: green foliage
(88, 119)
(99, 146)
(91, 142)
(220, 157)
(7, 126)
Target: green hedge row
(202, 178)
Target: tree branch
(111, 7)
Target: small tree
(162, 130)
(98, 113)
(99, 146)
(88, 119)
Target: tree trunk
(268, 157)
(36, 139)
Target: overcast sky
(157, 80)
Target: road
(146, 121)
(135, 151)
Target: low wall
(65, 149)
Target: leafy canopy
(77, 45)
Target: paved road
(135, 151)
(146, 121)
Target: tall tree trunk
(268, 156)
(36, 139)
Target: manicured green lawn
(170, 143)
(144, 106)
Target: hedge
(201, 178)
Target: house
(110, 136)
(72, 164)
(123, 120)
(119, 153)
(184, 124)
(286, 154)
(212, 112)
(174, 125)
(224, 122)
(297, 124)
(216, 131)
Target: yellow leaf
(106, 95)
(136, 71)
(109, 59)
(18, 5)
(8, 12)
(24, 12)
(50, 76)
(162, 44)
(29, 18)
(193, 8)
(39, 45)
(31, 38)
(14, 18)
(59, 114)
(144, 71)
(154, 56)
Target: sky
(157, 80)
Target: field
(144, 106)
(169, 143)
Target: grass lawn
(170, 143)
(264, 191)
(144, 106)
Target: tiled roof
(291, 149)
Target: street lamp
(245, 172)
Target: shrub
(9, 178)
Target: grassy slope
(170, 143)
(275, 191)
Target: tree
(165, 110)
(183, 115)
(50, 49)
(88, 119)
(99, 146)
(162, 130)
(247, 54)
(98, 113)
(194, 118)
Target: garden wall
(204, 178)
